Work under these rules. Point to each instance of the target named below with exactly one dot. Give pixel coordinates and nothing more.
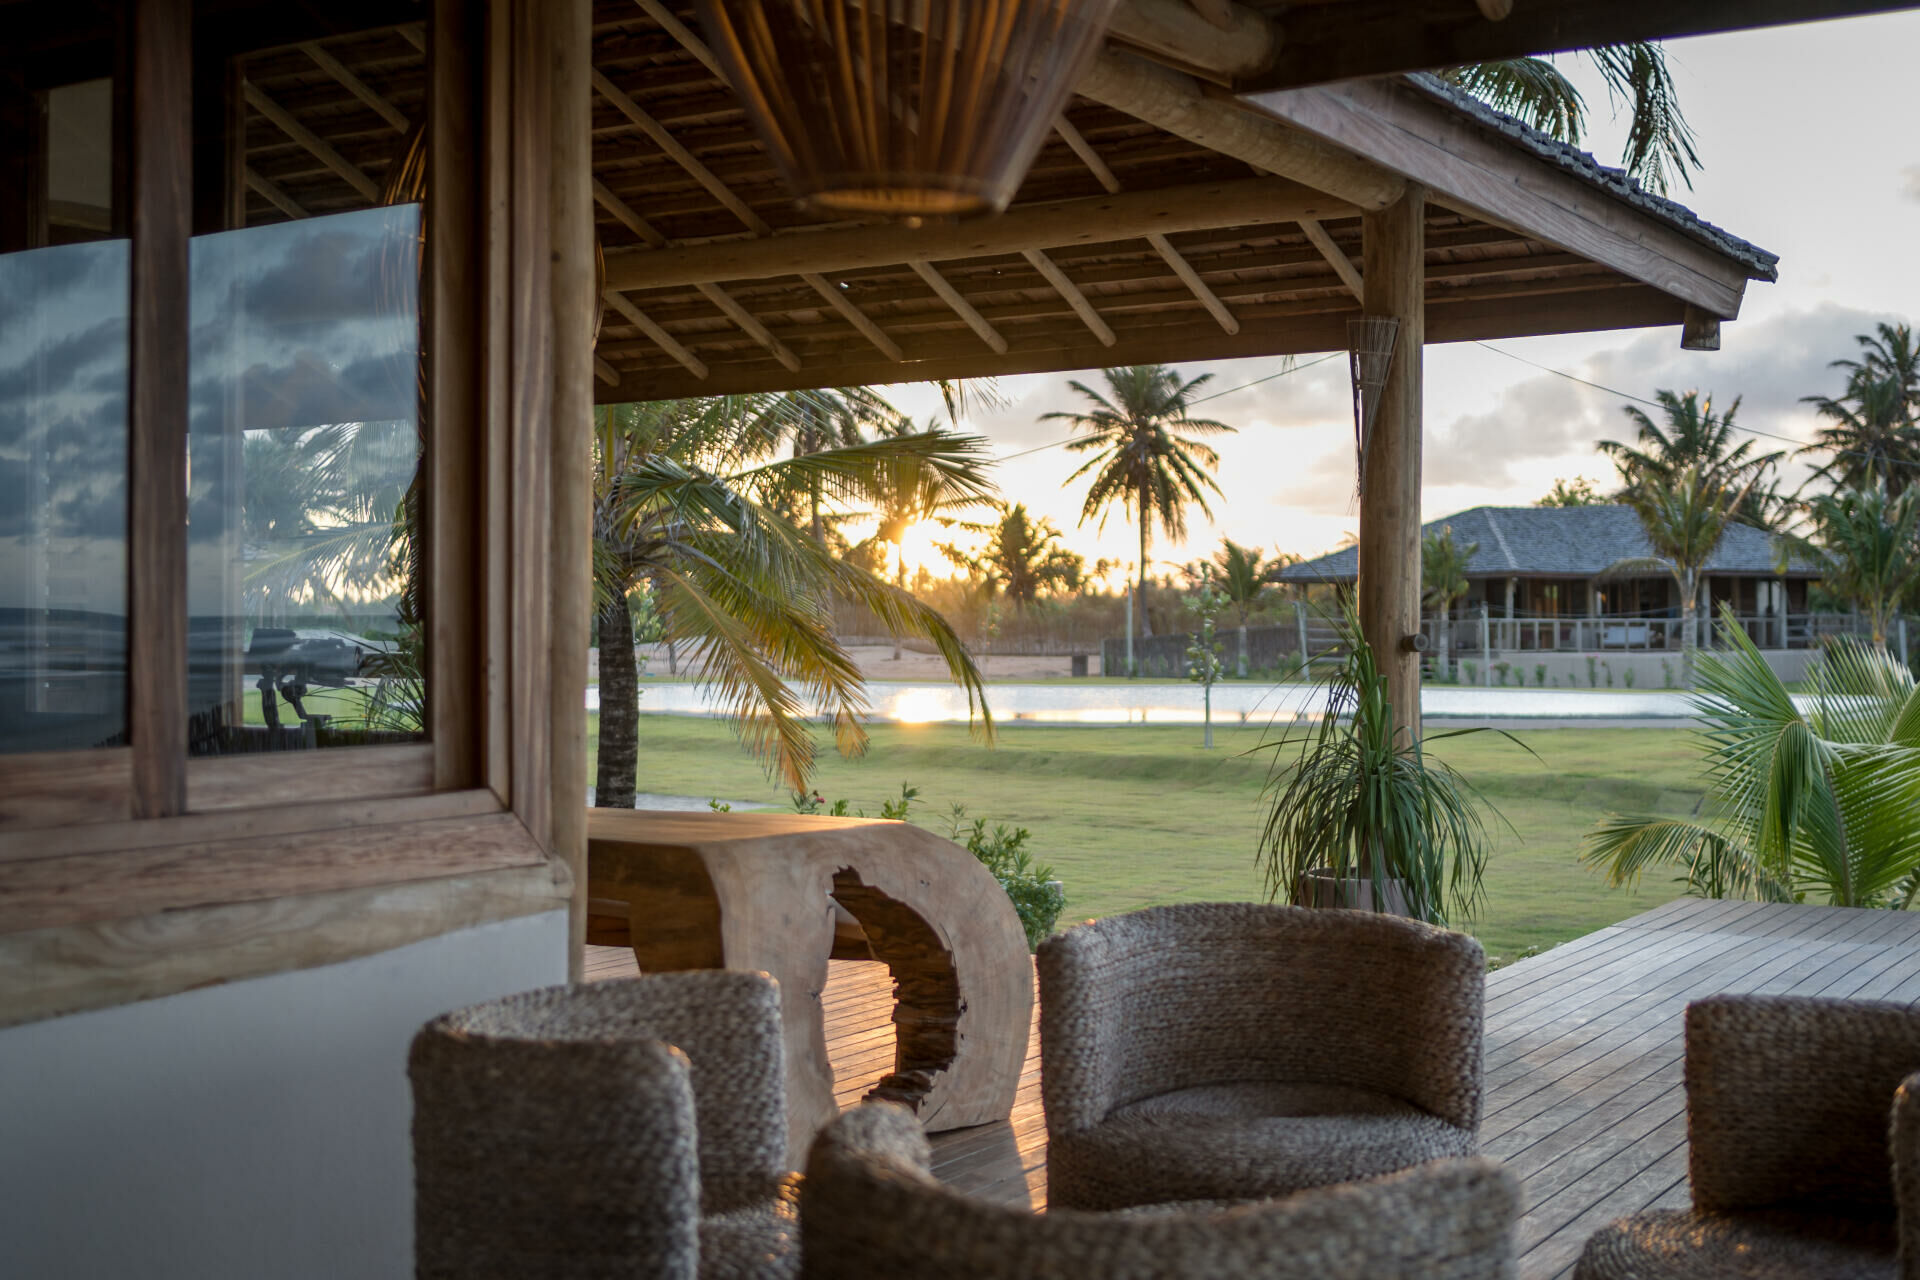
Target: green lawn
(1137, 815)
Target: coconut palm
(906, 492)
(680, 505)
(1024, 558)
(810, 421)
(1243, 575)
(1685, 519)
(1660, 150)
(1147, 457)
(1694, 436)
(1443, 580)
(1874, 425)
(1867, 546)
(1822, 801)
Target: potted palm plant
(1361, 816)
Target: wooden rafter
(274, 195)
(606, 372)
(1061, 224)
(315, 145)
(354, 85)
(1337, 259)
(1070, 293)
(961, 307)
(659, 337)
(1103, 173)
(830, 292)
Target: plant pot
(1324, 889)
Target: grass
(1132, 816)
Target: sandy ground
(877, 663)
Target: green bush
(1036, 893)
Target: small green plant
(1539, 675)
(1666, 674)
(719, 806)
(1627, 677)
(1471, 672)
(1608, 668)
(1037, 895)
(1204, 666)
(1593, 674)
(1500, 669)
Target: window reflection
(63, 426)
(304, 449)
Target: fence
(1275, 651)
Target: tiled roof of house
(1614, 182)
(1563, 542)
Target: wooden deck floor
(1583, 1057)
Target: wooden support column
(575, 307)
(1389, 604)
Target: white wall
(252, 1130)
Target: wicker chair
(554, 1134)
(1237, 1051)
(1788, 1099)
(870, 1208)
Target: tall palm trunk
(619, 708)
(1689, 622)
(900, 581)
(1146, 624)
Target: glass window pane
(304, 452)
(63, 432)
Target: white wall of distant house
(259, 1128)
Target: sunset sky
(1811, 152)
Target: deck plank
(1584, 1054)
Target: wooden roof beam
(961, 307)
(1336, 258)
(1209, 117)
(1228, 43)
(316, 146)
(1467, 170)
(1060, 224)
(274, 195)
(1070, 294)
(658, 336)
(355, 85)
(1078, 144)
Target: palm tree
(1023, 558)
(1660, 142)
(906, 493)
(1867, 545)
(1443, 580)
(1696, 437)
(680, 506)
(1821, 801)
(811, 421)
(1242, 575)
(1147, 458)
(1685, 519)
(1875, 431)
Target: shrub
(1593, 675)
(1471, 672)
(1627, 676)
(1500, 669)
(1037, 896)
(1666, 674)
(1539, 675)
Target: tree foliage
(1866, 544)
(1873, 426)
(1661, 149)
(1821, 801)
(1023, 559)
(1693, 437)
(1148, 459)
(682, 503)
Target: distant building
(1542, 573)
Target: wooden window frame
(90, 840)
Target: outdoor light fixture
(911, 108)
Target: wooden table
(758, 891)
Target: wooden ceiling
(1128, 242)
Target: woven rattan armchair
(554, 1134)
(1788, 1106)
(1229, 1051)
(869, 1210)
